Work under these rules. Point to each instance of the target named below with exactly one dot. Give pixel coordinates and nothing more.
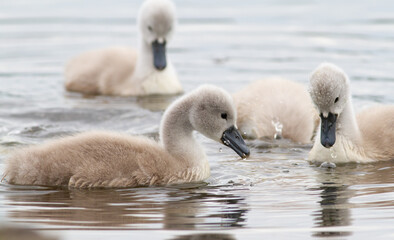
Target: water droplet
(220, 150)
(333, 153)
(278, 128)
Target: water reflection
(340, 190)
(156, 102)
(143, 208)
(18, 233)
(152, 102)
(206, 236)
(334, 209)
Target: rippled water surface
(275, 193)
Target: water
(274, 193)
(278, 128)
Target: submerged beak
(159, 54)
(233, 139)
(327, 136)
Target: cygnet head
(213, 114)
(156, 22)
(329, 90)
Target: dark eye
(150, 28)
(336, 99)
(224, 115)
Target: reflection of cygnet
(343, 137)
(103, 159)
(123, 71)
(275, 108)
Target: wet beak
(159, 54)
(327, 136)
(233, 139)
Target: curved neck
(176, 133)
(347, 124)
(144, 66)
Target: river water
(274, 193)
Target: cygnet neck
(176, 133)
(144, 66)
(347, 124)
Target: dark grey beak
(159, 55)
(327, 135)
(233, 139)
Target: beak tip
(246, 154)
(160, 67)
(327, 144)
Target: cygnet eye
(224, 115)
(336, 99)
(150, 28)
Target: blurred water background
(274, 193)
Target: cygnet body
(276, 108)
(343, 137)
(126, 71)
(104, 159)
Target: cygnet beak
(159, 54)
(327, 135)
(233, 139)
